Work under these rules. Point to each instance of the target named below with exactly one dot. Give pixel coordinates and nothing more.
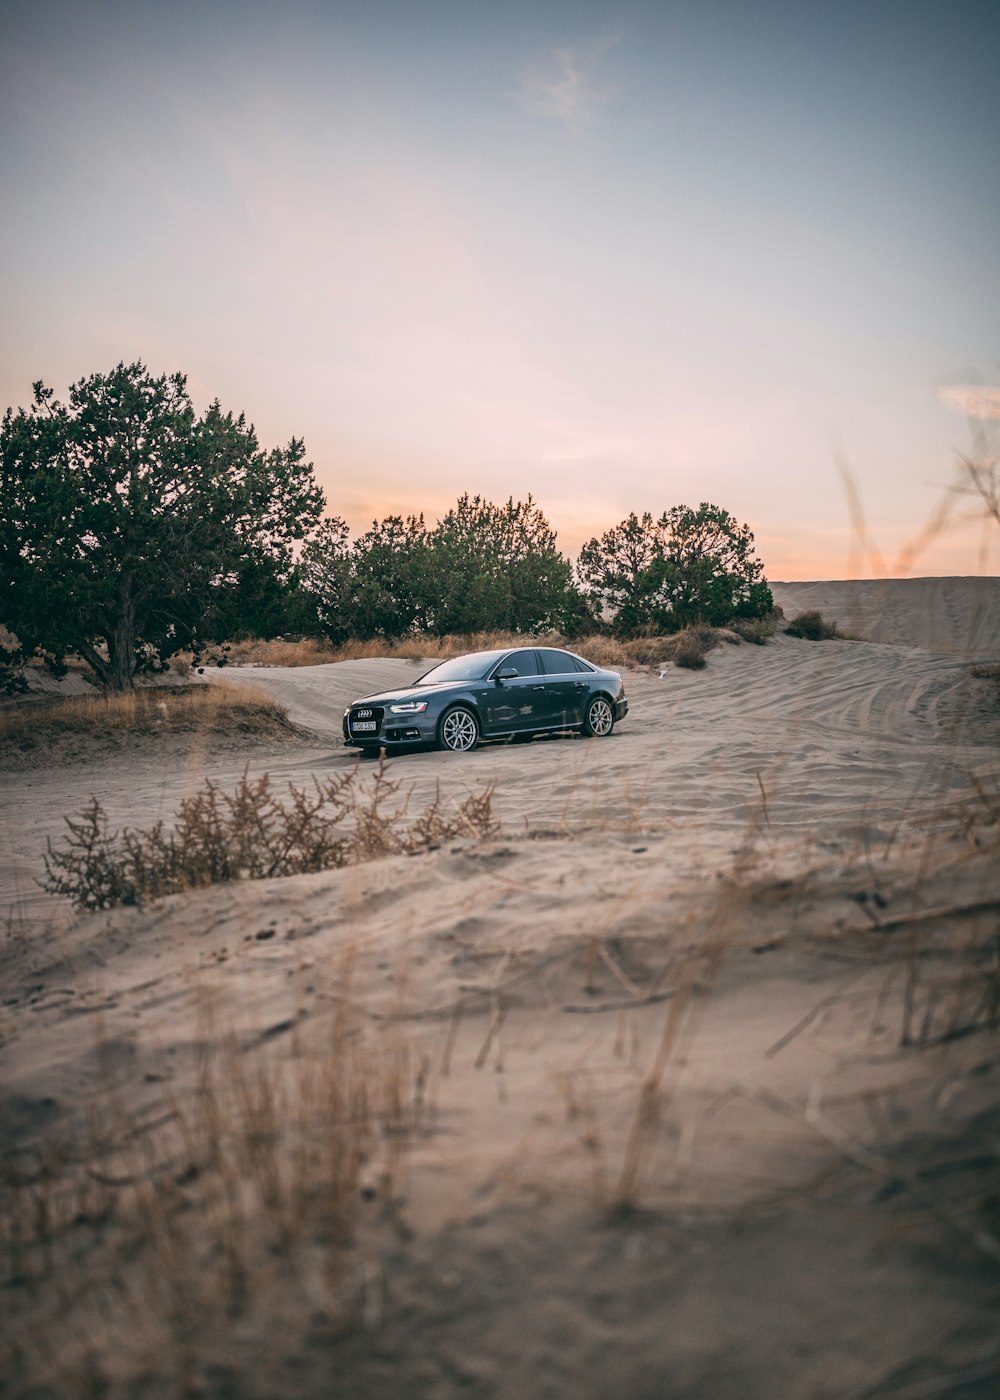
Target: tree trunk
(121, 644)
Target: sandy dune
(651, 1128)
(958, 616)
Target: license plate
(364, 724)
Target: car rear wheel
(600, 718)
(458, 731)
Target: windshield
(462, 668)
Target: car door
(518, 703)
(565, 687)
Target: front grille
(368, 713)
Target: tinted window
(523, 662)
(461, 668)
(579, 665)
(558, 663)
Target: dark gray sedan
(514, 694)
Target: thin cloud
(564, 85)
(971, 400)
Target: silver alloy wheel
(458, 731)
(600, 717)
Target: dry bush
(690, 650)
(155, 1251)
(602, 650)
(656, 650)
(251, 834)
(813, 627)
(756, 630)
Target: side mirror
(508, 673)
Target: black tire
(599, 720)
(458, 731)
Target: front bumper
(394, 732)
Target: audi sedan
(513, 694)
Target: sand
(950, 616)
(646, 1124)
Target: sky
(620, 256)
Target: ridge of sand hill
(948, 616)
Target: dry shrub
(690, 649)
(602, 650)
(813, 627)
(252, 834)
(656, 650)
(756, 630)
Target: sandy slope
(945, 615)
(678, 980)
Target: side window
(557, 663)
(523, 662)
(581, 666)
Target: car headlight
(409, 707)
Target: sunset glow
(618, 258)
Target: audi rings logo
(363, 714)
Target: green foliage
(128, 524)
(496, 567)
(684, 568)
(482, 567)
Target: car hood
(413, 692)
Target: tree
(371, 588)
(496, 568)
(326, 574)
(617, 571)
(390, 569)
(126, 521)
(685, 567)
(481, 568)
(709, 571)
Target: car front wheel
(600, 719)
(458, 731)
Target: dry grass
(152, 709)
(316, 651)
(207, 1231)
(252, 834)
(598, 647)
